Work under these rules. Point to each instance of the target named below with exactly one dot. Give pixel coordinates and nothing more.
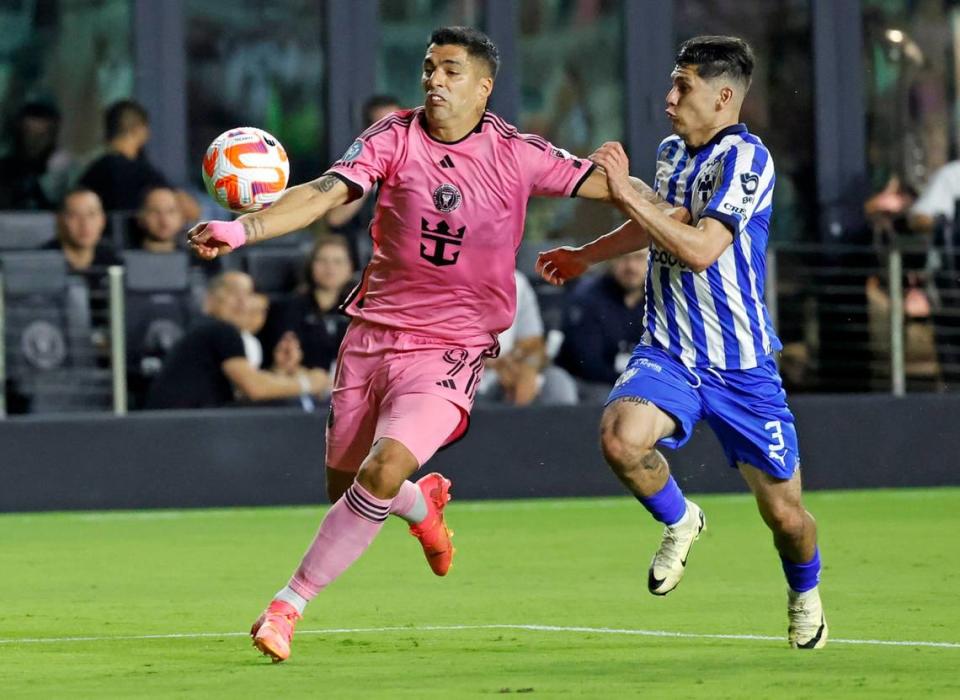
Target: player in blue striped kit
(707, 349)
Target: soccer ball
(245, 169)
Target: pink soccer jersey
(449, 221)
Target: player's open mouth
(435, 99)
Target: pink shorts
(411, 388)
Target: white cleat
(808, 626)
(670, 561)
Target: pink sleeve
(371, 155)
(551, 171)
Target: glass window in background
(572, 93)
(405, 28)
(910, 59)
(779, 107)
(74, 57)
(257, 63)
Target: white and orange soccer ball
(245, 169)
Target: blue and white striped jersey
(715, 318)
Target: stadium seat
(159, 307)
(122, 231)
(26, 230)
(275, 271)
(51, 360)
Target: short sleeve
(938, 199)
(743, 185)
(370, 158)
(551, 171)
(226, 343)
(529, 322)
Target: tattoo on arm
(637, 399)
(253, 229)
(325, 183)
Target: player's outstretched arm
(561, 265)
(697, 246)
(597, 187)
(296, 209)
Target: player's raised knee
(625, 439)
(386, 467)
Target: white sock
(685, 520)
(418, 512)
(288, 595)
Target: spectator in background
(160, 220)
(122, 174)
(160, 223)
(80, 225)
(312, 316)
(522, 374)
(352, 220)
(209, 365)
(934, 214)
(33, 174)
(603, 323)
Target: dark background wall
(272, 457)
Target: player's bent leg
(423, 423)
(629, 430)
(345, 533)
(795, 536)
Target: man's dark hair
(376, 102)
(72, 192)
(477, 44)
(149, 190)
(38, 110)
(714, 56)
(124, 116)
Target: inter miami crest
(446, 198)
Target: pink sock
(345, 533)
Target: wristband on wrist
(230, 232)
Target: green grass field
(196, 579)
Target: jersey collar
(717, 137)
(426, 129)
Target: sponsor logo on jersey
(749, 182)
(440, 244)
(662, 257)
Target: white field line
(460, 628)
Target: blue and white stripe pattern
(715, 318)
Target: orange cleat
(273, 630)
(433, 533)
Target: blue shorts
(747, 409)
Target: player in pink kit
(455, 181)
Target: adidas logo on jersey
(446, 162)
